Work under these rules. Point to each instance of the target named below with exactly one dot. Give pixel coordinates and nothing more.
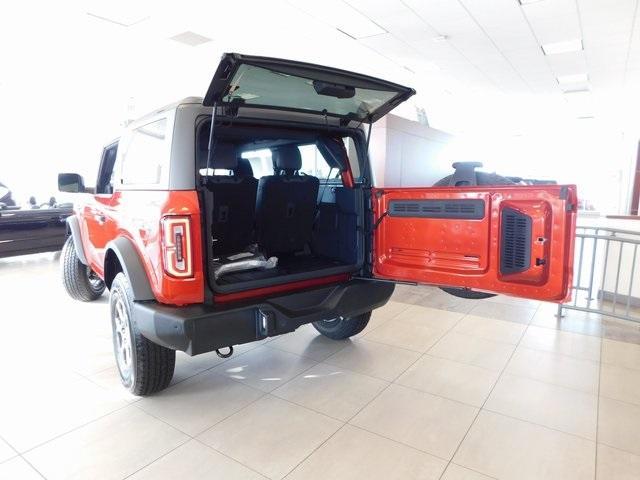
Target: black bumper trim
(196, 329)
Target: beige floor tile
(265, 368)
(557, 369)
(620, 383)
(187, 366)
(621, 354)
(6, 452)
(374, 359)
(387, 311)
(555, 407)
(271, 436)
(429, 423)
(571, 321)
(491, 329)
(195, 461)
(572, 344)
(500, 311)
(109, 379)
(199, 402)
(29, 418)
(614, 464)
(435, 318)
(619, 425)
(444, 301)
(454, 380)
(402, 334)
(473, 351)
(331, 390)
(515, 301)
(18, 469)
(507, 448)
(353, 454)
(308, 342)
(456, 472)
(109, 448)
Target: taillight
(176, 246)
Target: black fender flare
(73, 227)
(132, 267)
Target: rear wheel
(340, 328)
(145, 367)
(80, 282)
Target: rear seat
(234, 200)
(286, 204)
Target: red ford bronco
(246, 214)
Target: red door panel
(516, 240)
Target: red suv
(246, 214)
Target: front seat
(232, 204)
(286, 204)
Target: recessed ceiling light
(568, 79)
(563, 47)
(190, 38)
(527, 2)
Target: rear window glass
(253, 85)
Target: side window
(106, 173)
(143, 160)
(313, 163)
(352, 153)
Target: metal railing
(605, 264)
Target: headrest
(244, 168)
(225, 156)
(287, 158)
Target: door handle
(100, 218)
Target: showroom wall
(409, 154)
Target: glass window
(254, 85)
(313, 163)
(145, 155)
(352, 153)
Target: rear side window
(313, 163)
(146, 154)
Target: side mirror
(71, 183)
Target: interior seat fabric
(233, 200)
(286, 204)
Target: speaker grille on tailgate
(454, 209)
(515, 241)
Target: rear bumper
(196, 329)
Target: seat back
(231, 205)
(286, 204)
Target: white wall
(408, 154)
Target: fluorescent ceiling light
(568, 79)
(563, 47)
(190, 38)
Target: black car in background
(35, 229)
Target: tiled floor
(435, 387)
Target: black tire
(482, 178)
(80, 282)
(342, 327)
(150, 366)
(467, 293)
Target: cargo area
(277, 209)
